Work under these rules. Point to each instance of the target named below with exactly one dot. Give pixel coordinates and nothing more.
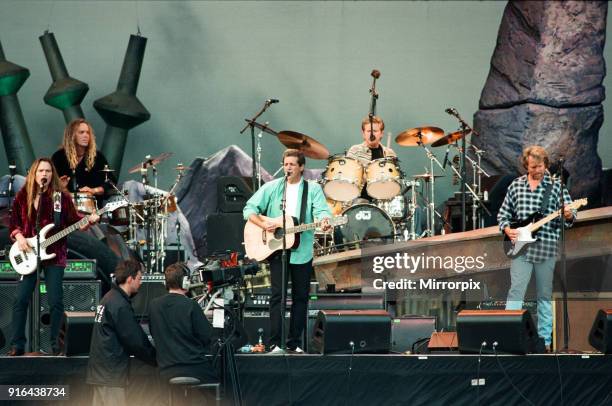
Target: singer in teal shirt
(267, 201)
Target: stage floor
(360, 380)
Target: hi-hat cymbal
(106, 169)
(308, 145)
(151, 161)
(420, 135)
(263, 127)
(180, 167)
(426, 176)
(451, 137)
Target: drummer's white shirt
(292, 198)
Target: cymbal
(263, 127)
(151, 161)
(450, 138)
(106, 169)
(419, 135)
(426, 176)
(180, 167)
(308, 145)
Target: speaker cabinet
(346, 331)
(75, 335)
(8, 291)
(152, 286)
(513, 330)
(232, 193)
(79, 296)
(224, 232)
(600, 336)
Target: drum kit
(148, 217)
(381, 203)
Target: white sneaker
(276, 350)
(297, 350)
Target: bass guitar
(24, 263)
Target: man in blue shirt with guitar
(305, 201)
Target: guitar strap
(57, 208)
(304, 201)
(546, 198)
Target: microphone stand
(563, 259)
(12, 173)
(284, 267)
(251, 123)
(36, 294)
(373, 99)
(464, 127)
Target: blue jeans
(55, 295)
(520, 274)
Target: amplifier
(75, 269)
(152, 286)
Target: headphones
(185, 282)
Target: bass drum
(365, 222)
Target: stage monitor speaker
(75, 335)
(79, 296)
(369, 331)
(8, 291)
(152, 286)
(600, 336)
(338, 301)
(513, 330)
(224, 232)
(407, 330)
(232, 194)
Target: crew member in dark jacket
(181, 332)
(116, 335)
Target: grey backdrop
(209, 65)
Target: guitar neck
(535, 226)
(79, 224)
(303, 227)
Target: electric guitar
(259, 244)
(528, 227)
(24, 263)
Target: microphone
(452, 111)
(43, 181)
(271, 101)
(375, 74)
(13, 169)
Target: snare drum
(383, 178)
(85, 202)
(343, 178)
(365, 222)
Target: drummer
(371, 148)
(79, 163)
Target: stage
(447, 379)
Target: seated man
(181, 332)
